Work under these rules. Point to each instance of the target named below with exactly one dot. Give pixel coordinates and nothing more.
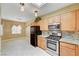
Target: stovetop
(53, 37)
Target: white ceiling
(38, 5)
(12, 10)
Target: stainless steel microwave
(55, 26)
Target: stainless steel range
(53, 41)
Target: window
(16, 29)
(19, 29)
(1, 30)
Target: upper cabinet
(68, 21)
(77, 28)
(54, 19)
(43, 25)
(34, 24)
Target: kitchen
(55, 32)
(66, 20)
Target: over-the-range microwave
(54, 26)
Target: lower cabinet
(77, 50)
(41, 42)
(64, 51)
(67, 49)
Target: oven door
(52, 45)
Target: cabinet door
(77, 50)
(68, 21)
(41, 42)
(64, 51)
(34, 24)
(43, 24)
(54, 19)
(77, 28)
(50, 20)
(67, 49)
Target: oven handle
(52, 43)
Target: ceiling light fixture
(37, 17)
(36, 13)
(22, 7)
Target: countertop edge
(68, 41)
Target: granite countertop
(70, 40)
(42, 36)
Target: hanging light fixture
(37, 17)
(36, 13)
(22, 7)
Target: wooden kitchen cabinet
(50, 20)
(43, 24)
(67, 49)
(34, 24)
(77, 28)
(64, 51)
(68, 21)
(41, 42)
(54, 19)
(77, 50)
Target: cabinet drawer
(72, 46)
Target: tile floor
(20, 47)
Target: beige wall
(0, 21)
(28, 31)
(7, 33)
(0, 24)
(0, 39)
(0, 10)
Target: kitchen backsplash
(64, 34)
(70, 34)
(45, 33)
(76, 34)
